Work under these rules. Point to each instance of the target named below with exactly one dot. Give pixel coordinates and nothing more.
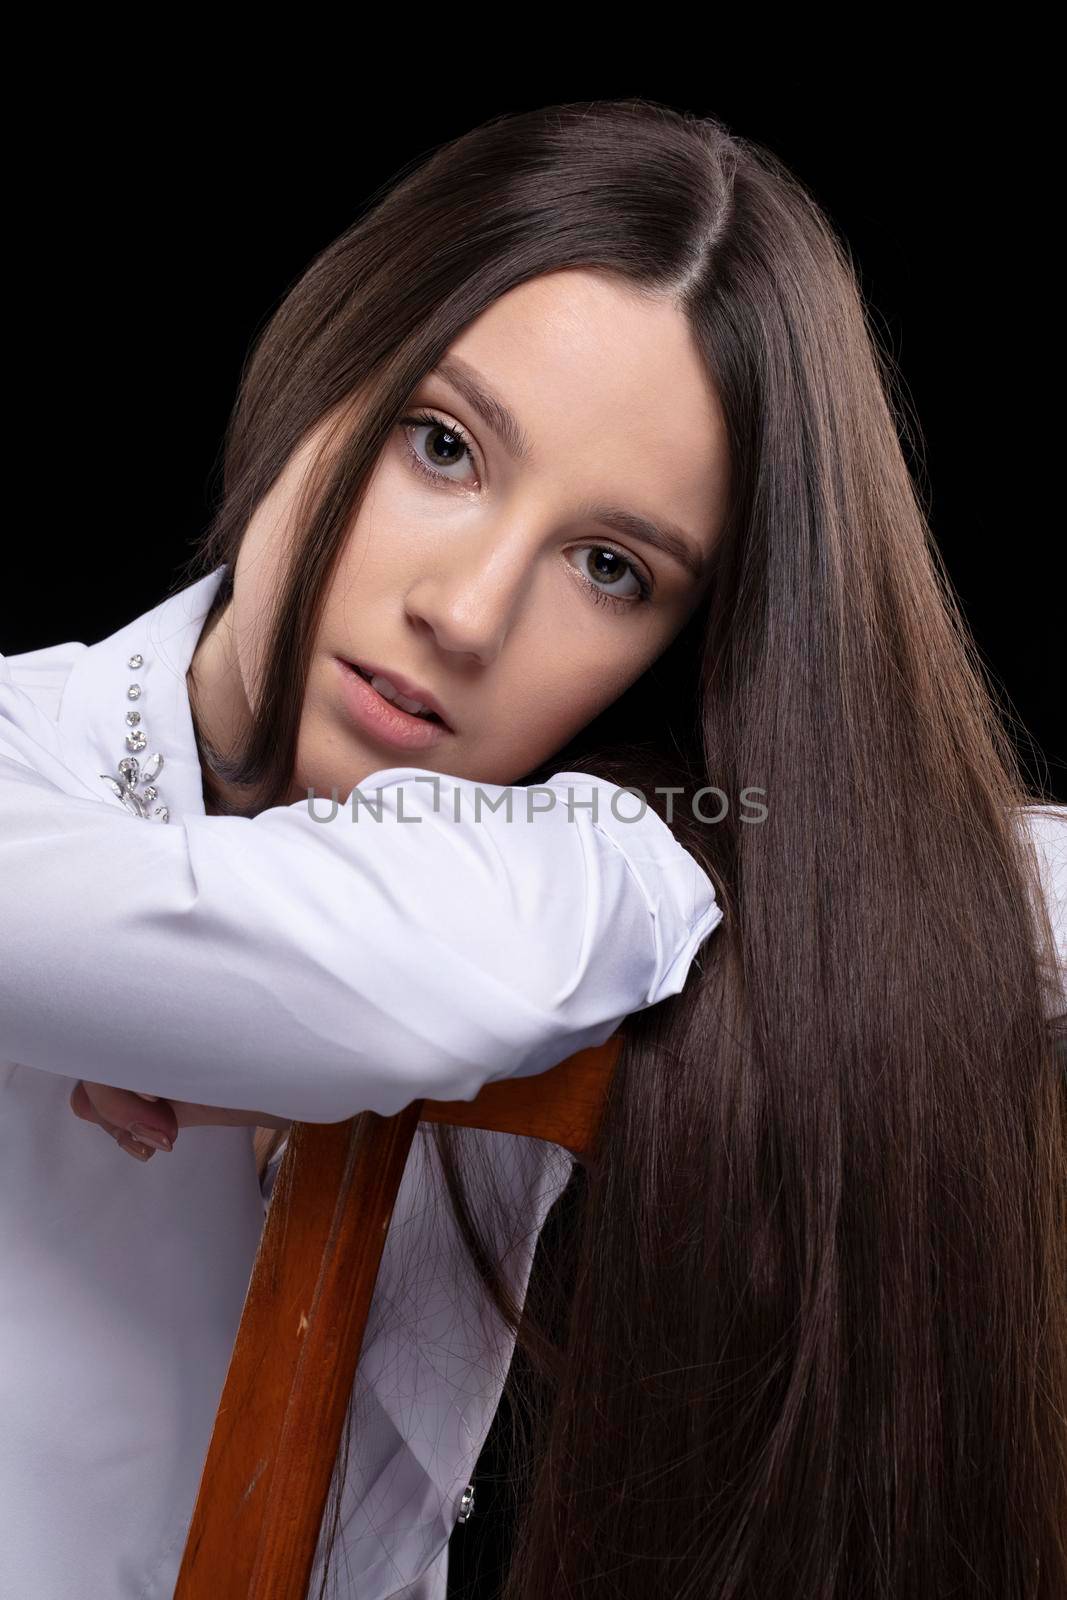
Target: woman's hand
(136, 1121)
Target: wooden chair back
(266, 1478)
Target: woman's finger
(83, 1106)
(124, 1139)
(133, 1147)
(123, 1108)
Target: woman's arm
(312, 970)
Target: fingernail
(139, 1153)
(158, 1141)
(141, 1096)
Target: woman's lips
(376, 716)
(407, 689)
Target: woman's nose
(470, 603)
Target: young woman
(579, 437)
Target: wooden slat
(266, 1479)
(563, 1105)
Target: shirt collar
(92, 716)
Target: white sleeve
(314, 969)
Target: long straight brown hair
(805, 1335)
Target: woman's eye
(446, 443)
(613, 568)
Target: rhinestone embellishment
(130, 771)
(466, 1504)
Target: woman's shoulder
(1046, 825)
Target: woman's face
(493, 580)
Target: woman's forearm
(309, 970)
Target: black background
(158, 237)
(159, 220)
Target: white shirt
(301, 968)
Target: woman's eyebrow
(665, 536)
(492, 410)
